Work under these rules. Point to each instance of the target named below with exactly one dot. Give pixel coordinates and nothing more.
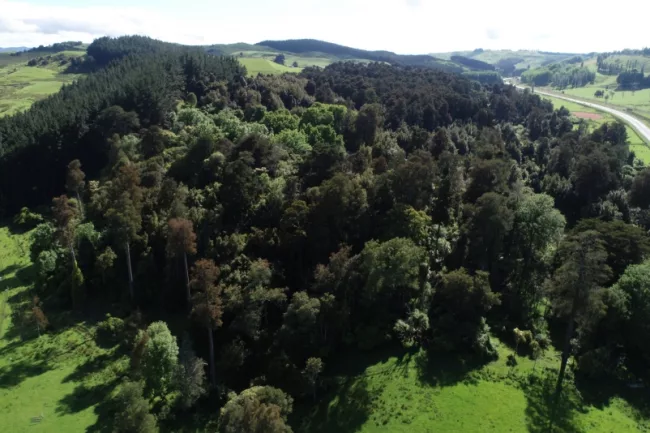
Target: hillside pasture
(22, 85)
(260, 65)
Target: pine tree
(575, 288)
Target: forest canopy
(283, 220)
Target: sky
(402, 26)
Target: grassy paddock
(420, 392)
(59, 381)
(258, 65)
(22, 85)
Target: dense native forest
(281, 220)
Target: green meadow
(258, 65)
(408, 392)
(54, 381)
(22, 85)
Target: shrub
(111, 331)
(27, 219)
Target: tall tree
(74, 182)
(537, 228)
(66, 217)
(207, 303)
(575, 288)
(159, 360)
(124, 215)
(182, 241)
(132, 410)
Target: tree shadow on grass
(105, 411)
(542, 414)
(599, 392)
(93, 365)
(8, 283)
(8, 270)
(344, 411)
(14, 374)
(85, 396)
(447, 369)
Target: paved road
(635, 123)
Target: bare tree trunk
(213, 374)
(72, 255)
(187, 280)
(566, 352)
(81, 206)
(128, 264)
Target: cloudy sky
(403, 26)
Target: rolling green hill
(509, 61)
(21, 84)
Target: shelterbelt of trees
(289, 218)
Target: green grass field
(258, 65)
(22, 85)
(637, 102)
(59, 381)
(416, 392)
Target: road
(635, 123)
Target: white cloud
(405, 26)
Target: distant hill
(510, 62)
(343, 52)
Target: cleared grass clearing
(256, 66)
(416, 392)
(60, 381)
(22, 85)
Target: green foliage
(159, 72)
(27, 219)
(42, 239)
(159, 359)
(111, 330)
(413, 330)
(280, 120)
(632, 305)
(299, 330)
(296, 142)
(458, 309)
(391, 281)
(190, 377)
(256, 409)
(77, 286)
(132, 411)
(625, 244)
(335, 204)
(576, 285)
